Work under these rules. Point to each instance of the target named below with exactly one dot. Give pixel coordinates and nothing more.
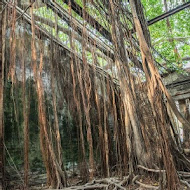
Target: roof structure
(104, 47)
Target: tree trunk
(56, 177)
(86, 92)
(155, 91)
(56, 121)
(77, 99)
(106, 142)
(137, 147)
(86, 103)
(2, 62)
(26, 124)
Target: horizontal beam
(169, 13)
(41, 32)
(68, 32)
(79, 28)
(81, 12)
(104, 32)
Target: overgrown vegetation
(83, 98)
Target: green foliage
(160, 35)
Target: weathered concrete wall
(178, 85)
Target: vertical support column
(2, 45)
(185, 112)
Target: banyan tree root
(149, 186)
(143, 185)
(185, 183)
(112, 183)
(180, 173)
(107, 183)
(118, 184)
(150, 170)
(146, 185)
